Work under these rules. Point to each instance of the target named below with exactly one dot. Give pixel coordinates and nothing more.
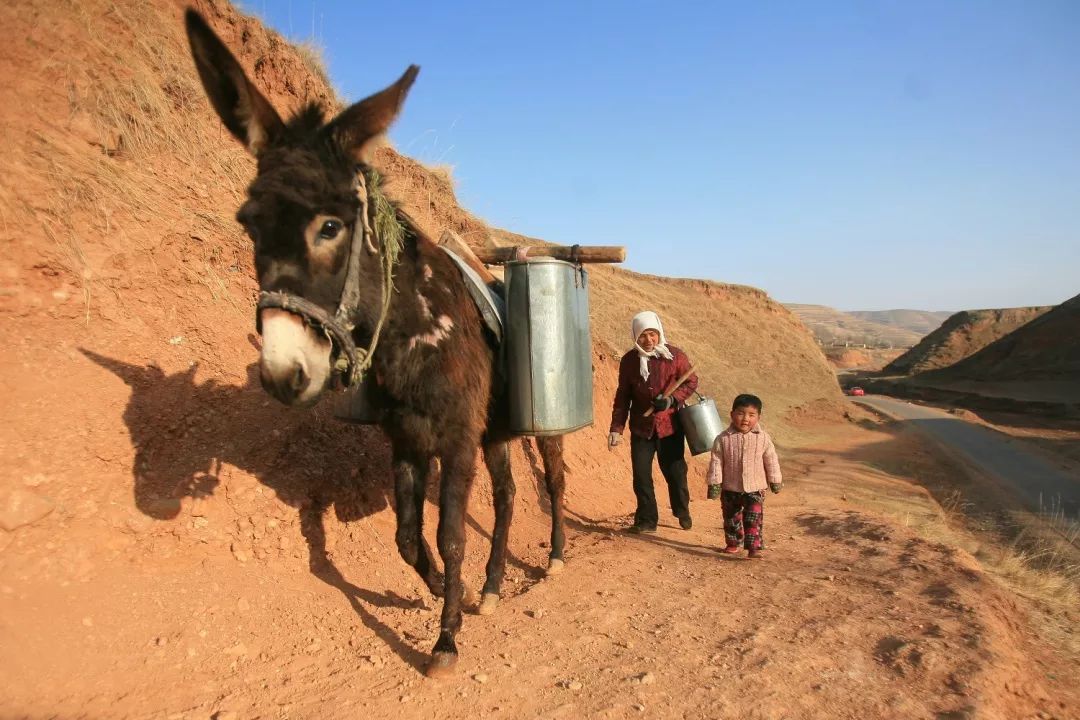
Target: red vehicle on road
(856, 391)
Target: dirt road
(1033, 478)
(849, 616)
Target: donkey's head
(301, 209)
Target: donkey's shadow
(184, 431)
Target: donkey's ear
(359, 128)
(246, 113)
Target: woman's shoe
(730, 549)
(756, 554)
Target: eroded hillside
(962, 335)
(1047, 347)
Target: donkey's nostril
(300, 379)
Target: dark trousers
(669, 454)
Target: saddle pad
(491, 305)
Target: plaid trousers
(744, 517)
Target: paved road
(1035, 479)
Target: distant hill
(1045, 348)
(834, 326)
(961, 335)
(922, 322)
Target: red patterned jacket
(635, 395)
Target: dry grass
(1042, 572)
(97, 167)
(313, 56)
(443, 172)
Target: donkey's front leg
(458, 466)
(497, 458)
(410, 484)
(555, 478)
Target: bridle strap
(313, 315)
(353, 361)
(361, 237)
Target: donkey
(325, 281)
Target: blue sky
(863, 155)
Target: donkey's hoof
(441, 665)
(468, 597)
(488, 604)
(555, 567)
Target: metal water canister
(701, 424)
(548, 347)
(359, 404)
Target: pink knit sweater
(744, 462)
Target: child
(743, 463)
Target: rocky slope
(962, 335)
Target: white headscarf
(648, 320)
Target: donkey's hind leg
(410, 484)
(551, 450)
(497, 459)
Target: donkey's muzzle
(286, 384)
(295, 363)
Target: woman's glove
(661, 403)
(775, 487)
(613, 439)
(714, 491)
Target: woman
(645, 372)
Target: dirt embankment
(164, 524)
(961, 336)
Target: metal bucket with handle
(701, 424)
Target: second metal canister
(701, 424)
(548, 347)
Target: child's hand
(714, 491)
(775, 487)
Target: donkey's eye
(330, 229)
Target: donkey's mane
(307, 120)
